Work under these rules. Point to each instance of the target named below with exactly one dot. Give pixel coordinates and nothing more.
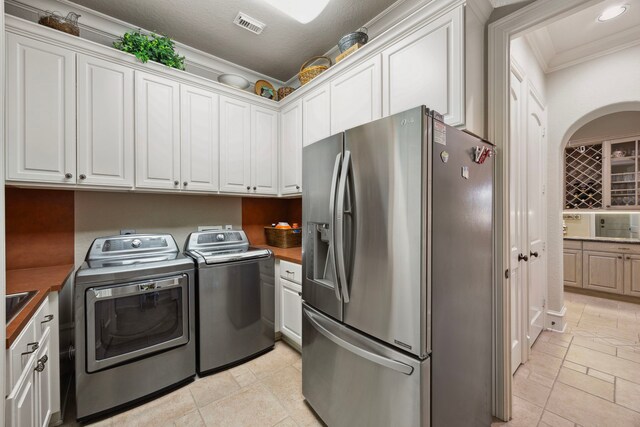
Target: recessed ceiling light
(300, 10)
(613, 12)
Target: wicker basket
(58, 22)
(283, 237)
(284, 91)
(307, 74)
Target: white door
(316, 115)
(264, 150)
(199, 124)
(105, 123)
(517, 266)
(291, 310)
(157, 132)
(291, 149)
(235, 145)
(41, 111)
(536, 229)
(427, 68)
(356, 97)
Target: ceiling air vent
(248, 23)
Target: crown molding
(500, 3)
(481, 8)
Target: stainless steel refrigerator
(397, 274)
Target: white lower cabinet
(291, 311)
(31, 371)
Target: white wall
(577, 95)
(103, 214)
(614, 125)
(521, 52)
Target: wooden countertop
(288, 254)
(42, 280)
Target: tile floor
(266, 391)
(588, 376)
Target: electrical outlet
(126, 231)
(209, 227)
(228, 227)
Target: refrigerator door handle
(339, 233)
(324, 328)
(332, 220)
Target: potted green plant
(150, 47)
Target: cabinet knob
(34, 346)
(176, 182)
(83, 176)
(255, 188)
(534, 254)
(619, 256)
(248, 187)
(297, 187)
(41, 363)
(185, 183)
(47, 318)
(68, 175)
(522, 257)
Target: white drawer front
(291, 271)
(16, 360)
(43, 319)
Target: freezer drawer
(351, 380)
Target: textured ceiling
(208, 25)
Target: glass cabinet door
(623, 174)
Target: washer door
(133, 320)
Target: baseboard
(606, 295)
(555, 320)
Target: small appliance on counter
(235, 298)
(134, 321)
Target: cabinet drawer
(630, 248)
(291, 271)
(16, 361)
(572, 244)
(43, 319)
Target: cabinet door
(356, 96)
(105, 123)
(264, 150)
(572, 261)
(41, 111)
(42, 383)
(291, 310)
(602, 271)
(316, 115)
(200, 118)
(235, 145)
(23, 404)
(157, 132)
(427, 68)
(291, 149)
(632, 275)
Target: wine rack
(583, 177)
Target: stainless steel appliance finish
(134, 317)
(14, 303)
(406, 227)
(235, 298)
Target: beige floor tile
(286, 385)
(298, 365)
(605, 363)
(549, 348)
(213, 387)
(287, 422)
(280, 357)
(531, 391)
(594, 345)
(544, 364)
(628, 394)
(575, 366)
(252, 406)
(561, 339)
(159, 411)
(192, 419)
(601, 375)
(101, 423)
(525, 414)
(588, 410)
(545, 381)
(587, 383)
(629, 355)
(553, 420)
(243, 375)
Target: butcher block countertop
(42, 280)
(288, 254)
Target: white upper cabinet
(291, 149)
(235, 145)
(157, 132)
(316, 115)
(264, 150)
(356, 96)
(41, 111)
(200, 139)
(426, 68)
(105, 123)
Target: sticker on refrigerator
(444, 156)
(439, 133)
(465, 172)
